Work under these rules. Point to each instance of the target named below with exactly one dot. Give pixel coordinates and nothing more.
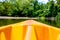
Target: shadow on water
(9, 21)
(55, 23)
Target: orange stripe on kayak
(7, 32)
(24, 31)
(42, 33)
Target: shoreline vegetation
(12, 11)
(30, 8)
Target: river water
(4, 22)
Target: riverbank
(10, 20)
(4, 17)
(47, 18)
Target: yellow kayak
(29, 30)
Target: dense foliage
(29, 8)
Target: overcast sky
(44, 1)
(1, 0)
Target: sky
(44, 1)
(2, 0)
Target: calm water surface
(55, 23)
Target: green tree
(58, 2)
(52, 10)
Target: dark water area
(4, 22)
(55, 23)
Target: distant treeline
(29, 8)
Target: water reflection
(9, 21)
(55, 23)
